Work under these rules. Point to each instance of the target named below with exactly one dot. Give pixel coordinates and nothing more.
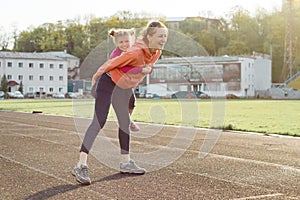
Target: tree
(243, 32)
(4, 83)
(21, 87)
(274, 29)
(54, 37)
(237, 47)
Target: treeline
(238, 33)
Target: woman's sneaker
(131, 168)
(81, 172)
(134, 127)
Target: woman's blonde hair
(151, 28)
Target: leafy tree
(274, 30)
(4, 86)
(54, 38)
(236, 47)
(30, 40)
(4, 40)
(77, 40)
(241, 32)
(21, 87)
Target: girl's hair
(150, 29)
(115, 33)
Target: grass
(264, 116)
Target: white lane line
(259, 196)
(258, 162)
(51, 175)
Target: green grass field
(264, 116)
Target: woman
(116, 88)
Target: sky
(25, 13)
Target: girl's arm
(131, 70)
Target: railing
(292, 78)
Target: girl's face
(158, 39)
(123, 42)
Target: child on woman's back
(123, 39)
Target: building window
(60, 89)
(0, 64)
(51, 78)
(51, 66)
(51, 90)
(31, 77)
(9, 64)
(61, 78)
(41, 78)
(20, 64)
(61, 66)
(9, 77)
(41, 65)
(30, 65)
(20, 77)
(30, 89)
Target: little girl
(123, 39)
(123, 42)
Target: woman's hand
(93, 91)
(94, 81)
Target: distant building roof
(196, 59)
(61, 54)
(175, 19)
(28, 55)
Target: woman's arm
(126, 58)
(126, 69)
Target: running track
(38, 151)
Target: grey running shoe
(131, 168)
(81, 172)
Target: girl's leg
(133, 126)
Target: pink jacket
(126, 69)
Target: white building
(38, 72)
(73, 63)
(216, 76)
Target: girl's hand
(146, 70)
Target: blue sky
(24, 13)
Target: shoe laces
(133, 165)
(85, 171)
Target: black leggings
(108, 93)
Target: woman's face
(158, 39)
(123, 42)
